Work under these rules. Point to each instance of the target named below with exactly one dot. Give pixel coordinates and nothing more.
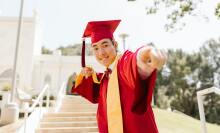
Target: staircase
(76, 115)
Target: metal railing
(37, 101)
(59, 96)
(200, 97)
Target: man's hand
(87, 71)
(153, 57)
(149, 58)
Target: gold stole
(114, 114)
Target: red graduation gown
(135, 96)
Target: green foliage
(51, 97)
(71, 50)
(45, 50)
(217, 10)
(179, 81)
(212, 108)
(177, 11)
(6, 87)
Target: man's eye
(106, 45)
(95, 49)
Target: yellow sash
(114, 114)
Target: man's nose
(101, 52)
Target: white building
(56, 69)
(34, 69)
(30, 46)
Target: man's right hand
(87, 71)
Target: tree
(211, 54)
(45, 50)
(69, 50)
(217, 10)
(179, 9)
(75, 49)
(179, 81)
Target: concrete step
(69, 110)
(68, 124)
(67, 130)
(66, 114)
(72, 101)
(77, 101)
(68, 119)
(74, 98)
(73, 106)
(76, 115)
(79, 105)
(77, 108)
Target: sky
(63, 22)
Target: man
(124, 91)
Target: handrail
(60, 92)
(209, 90)
(21, 99)
(37, 101)
(59, 95)
(200, 97)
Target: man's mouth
(104, 58)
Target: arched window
(47, 80)
(71, 83)
(6, 77)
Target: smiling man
(124, 91)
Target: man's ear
(115, 44)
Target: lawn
(170, 122)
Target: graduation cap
(98, 30)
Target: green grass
(170, 122)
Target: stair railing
(59, 96)
(37, 101)
(200, 97)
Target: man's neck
(113, 63)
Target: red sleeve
(142, 89)
(88, 89)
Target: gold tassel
(80, 77)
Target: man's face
(105, 51)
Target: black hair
(114, 44)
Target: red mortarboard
(98, 30)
